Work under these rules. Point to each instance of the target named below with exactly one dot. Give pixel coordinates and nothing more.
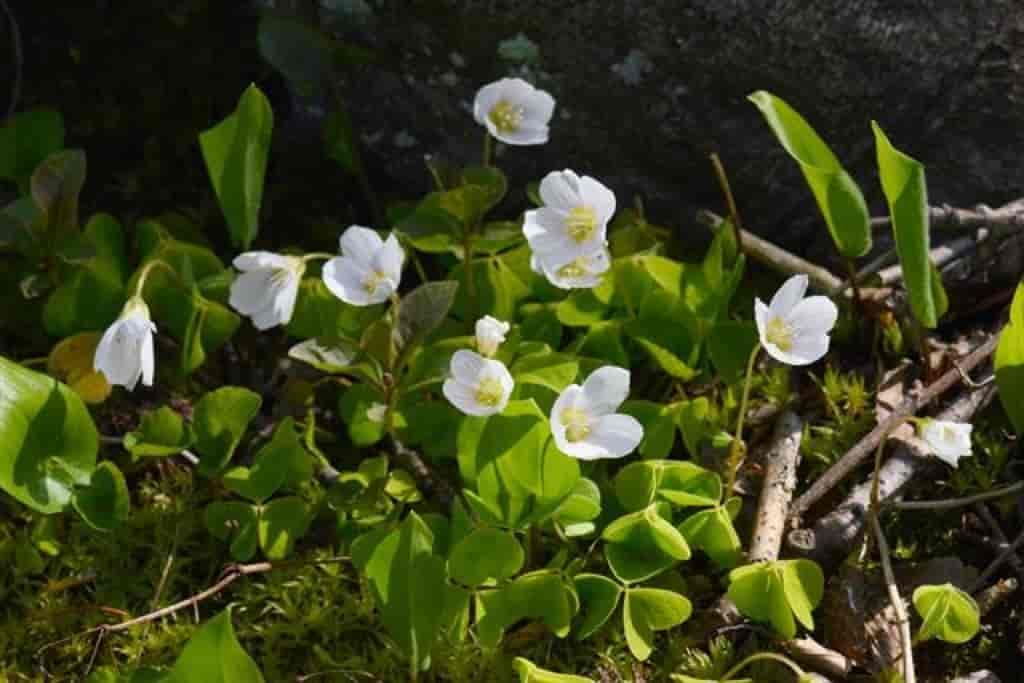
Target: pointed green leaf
(1009, 363)
(213, 655)
(531, 673)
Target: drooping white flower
(584, 422)
(376, 412)
(580, 272)
(490, 334)
(125, 352)
(368, 270)
(477, 385)
(514, 111)
(267, 288)
(950, 441)
(573, 220)
(795, 330)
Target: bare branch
(777, 490)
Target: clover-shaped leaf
(647, 610)
(220, 420)
(643, 544)
(580, 507)
(711, 530)
(545, 595)
(105, 502)
(281, 462)
(778, 592)
(281, 522)
(234, 521)
(599, 596)
(531, 673)
(160, 432)
(681, 483)
(485, 555)
(949, 613)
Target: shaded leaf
(104, 503)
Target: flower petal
(486, 98)
(560, 190)
(538, 109)
(253, 260)
(815, 314)
(761, 316)
(146, 359)
(598, 197)
(524, 135)
(605, 390)
(463, 397)
(344, 278)
(617, 435)
(788, 296)
(360, 243)
(388, 260)
(467, 366)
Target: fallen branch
(813, 655)
(940, 256)
(1002, 541)
(777, 490)
(897, 602)
(997, 563)
(1009, 215)
(866, 446)
(835, 533)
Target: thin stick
(856, 455)
(997, 532)
(777, 489)
(998, 562)
(730, 201)
(1009, 215)
(950, 503)
(897, 603)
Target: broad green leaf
(282, 461)
(905, 189)
(160, 432)
(499, 287)
(776, 592)
(421, 312)
(235, 152)
(177, 241)
(491, 180)
(554, 371)
(531, 673)
(331, 359)
(361, 407)
(485, 555)
(281, 522)
(582, 309)
(104, 503)
(545, 595)
(1009, 362)
(298, 50)
(580, 507)
(49, 439)
(693, 423)
(236, 522)
(71, 362)
(681, 483)
(948, 613)
(604, 342)
(729, 346)
(647, 610)
(712, 531)
(55, 185)
(497, 236)
(659, 422)
(408, 583)
(219, 421)
(599, 596)
(19, 227)
(642, 544)
(320, 314)
(26, 139)
(837, 194)
(213, 655)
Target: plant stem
(736, 448)
(140, 284)
(757, 656)
(851, 266)
(730, 201)
(488, 149)
(317, 256)
(470, 282)
(949, 503)
(897, 603)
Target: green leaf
(581, 308)
(647, 610)
(55, 186)
(219, 420)
(49, 439)
(554, 371)
(213, 655)
(545, 595)
(105, 502)
(693, 423)
(905, 189)
(531, 673)
(712, 531)
(340, 142)
(234, 521)
(26, 139)
(643, 544)
(604, 342)
(281, 462)
(582, 505)
(357, 407)
(1009, 362)
(300, 52)
(486, 555)
(408, 583)
(681, 483)
(729, 346)
(281, 522)
(160, 432)
(837, 194)
(235, 152)
(949, 614)
(421, 312)
(599, 596)
(491, 181)
(776, 592)
(499, 287)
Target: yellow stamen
(581, 223)
(506, 116)
(574, 269)
(489, 392)
(373, 281)
(780, 334)
(577, 426)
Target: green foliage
(104, 503)
(777, 592)
(1009, 362)
(221, 417)
(646, 610)
(531, 673)
(161, 432)
(642, 544)
(213, 655)
(948, 613)
(235, 152)
(26, 139)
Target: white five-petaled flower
(267, 288)
(795, 330)
(125, 352)
(477, 385)
(584, 422)
(514, 112)
(490, 333)
(950, 441)
(573, 220)
(579, 272)
(368, 270)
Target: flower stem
(736, 448)
(488, 149)
(318, 256)
(734, 212)
(140, 284)
(762, 656)
(470, 282)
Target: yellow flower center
(780, 334)
(573, 269)
(577, 426)
(581, 223)
(373, 281)
(948, 433)
(489, 392)
(280, 276)
(506, 116)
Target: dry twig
(777, 490)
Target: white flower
(573, 220)
(950, 441)
(514, 111)
(376, 412)
(368, 270)
(125, 352)
(267, 288)
(584, 422)
(490, 333)
(794, 330)
(477, 385)
(580, 272)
